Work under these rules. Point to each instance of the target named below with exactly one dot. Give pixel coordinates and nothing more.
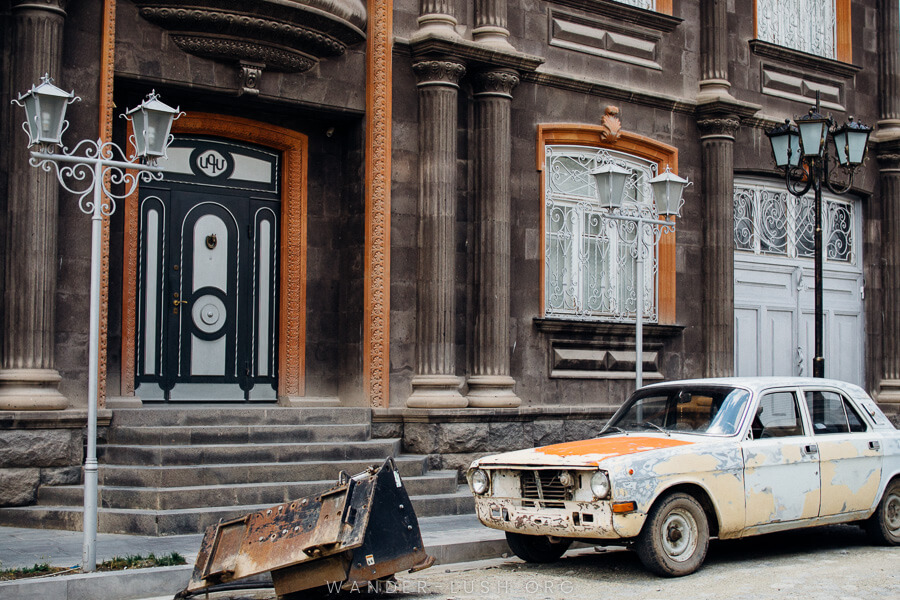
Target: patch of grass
(38, 570)
(118, 563)
(136, 561)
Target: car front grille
(545, 487)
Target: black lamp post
(800, 150)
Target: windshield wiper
(612, 429)
(648, 424)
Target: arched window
(589, 258)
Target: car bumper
(591, 520)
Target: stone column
(717, 143)
(714, 84)
(28, 379)
(887, 142)
(435, 384)
(490, 384)
(436, 17)
(491, 24)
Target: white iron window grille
(646, 4)
(771, 221)
(805, 25)
(589, 258)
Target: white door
(774, 303)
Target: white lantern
(152, 123)
(45, 112)
(850, 143)
(610, 179)
(667, 190)
(813, 133)
(785, 140)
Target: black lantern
(850, 143)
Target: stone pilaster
(28, 378)
(491, 23)
(717, 143)
(435, 384)
(889, 171)
(490, 384)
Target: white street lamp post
(83, 171)
(667, 191)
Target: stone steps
(197, 496)
(179, 469)
(238, 453)
(195, 520)
(266, 415)
(236, 474)
(236, 434)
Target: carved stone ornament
(250, 76)
(719, 127)
(496, 83)
(610, 125)
(436, 72)
(284, 36)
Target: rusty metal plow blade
(361, 530)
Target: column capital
(499, 82)
(718, 127)
(438, 72)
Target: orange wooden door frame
(292, 299)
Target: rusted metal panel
(362, 529)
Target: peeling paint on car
(750, 486)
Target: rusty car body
(684, 461)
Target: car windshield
(710, 410)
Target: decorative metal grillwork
(804, 25)
(647, 4)
(774, 222)
(544, 486)
(589, 257)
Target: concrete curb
(167, 581)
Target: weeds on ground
(117, 563)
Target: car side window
(778, 415)
(832, 413)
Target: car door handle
(873, 445)
(810, 449)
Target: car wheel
(536, 548)
(675, 537)
(883, 527)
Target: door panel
(208, 281)
(781, 464)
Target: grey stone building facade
(434, 249)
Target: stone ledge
(51, 419)
(489, 415)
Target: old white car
(685, 461)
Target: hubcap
(679, 535)
(892, 513)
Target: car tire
(883, 527)
(675, 537)
(536, 548)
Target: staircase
(176, 470)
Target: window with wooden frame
(589, 261)
(818, 27)
(663, 6)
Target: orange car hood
(583, 452)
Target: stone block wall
(453, 439)
(31, 458)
